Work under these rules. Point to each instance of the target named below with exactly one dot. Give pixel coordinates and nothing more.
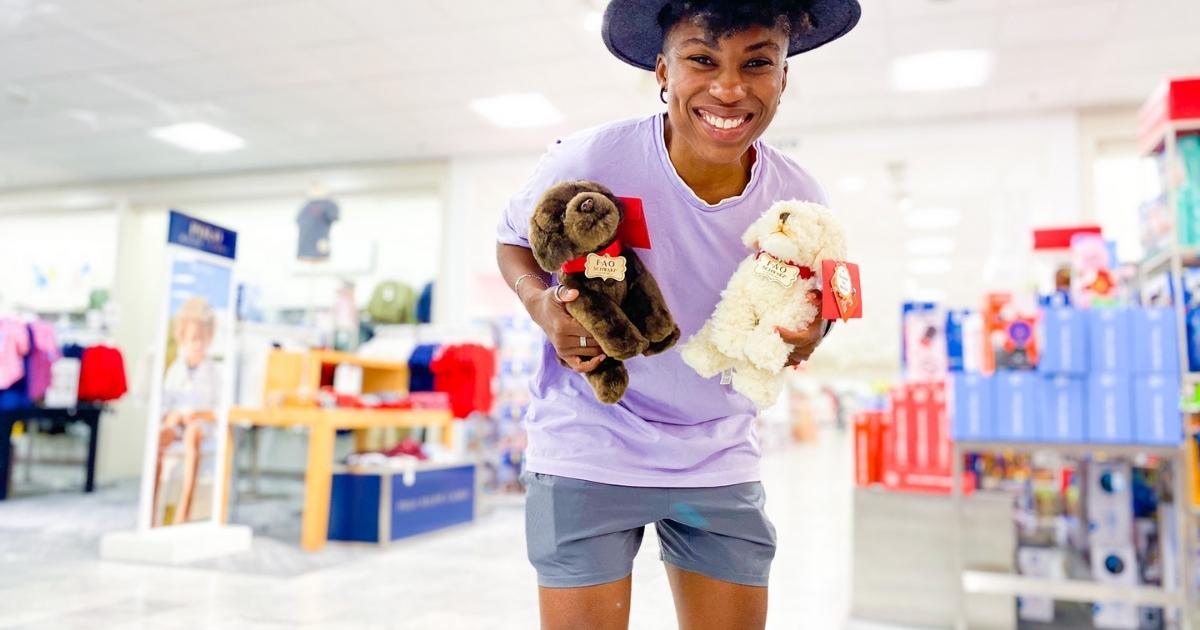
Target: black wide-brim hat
(632, 33)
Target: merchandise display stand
(976, 581)
(292, 383)
(322, 426)
(177, 544)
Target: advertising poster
(183, 473)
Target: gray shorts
(583, 533)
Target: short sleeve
(332, 212)
(557, 165)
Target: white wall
(51, 261)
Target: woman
(679, 451)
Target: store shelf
(995, 583)
(1174, 127)
(1127, 450)
(1160, 261)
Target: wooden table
(323, 425)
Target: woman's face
(723, 94)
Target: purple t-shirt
(673, 428)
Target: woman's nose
(728, 87)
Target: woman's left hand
(804, 342)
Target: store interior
(290, 207)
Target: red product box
(887, 445)
(929, 483)
(1175, 99)
(902, 455)
(920, 427)
(867, 432)
(939, 438)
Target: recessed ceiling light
(518, 111)
(593, 21)
(930, 246)
(852, 184)
(932, 218)
(198, 137)
(942, 70)
(929, 266)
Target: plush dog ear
(547, 237)
(833, 237)
(750, 237)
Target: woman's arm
(562, 329)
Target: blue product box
(380, 505)
(1110, 347)
(1062, 407)
(1016, 406)
(1157, 418)
(1064, 341)
(1110, 408)
(955, 320)
(1156, 350)
(973, 406)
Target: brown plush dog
(619, 302)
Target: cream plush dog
(769, 289)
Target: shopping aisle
(466, 578)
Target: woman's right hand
(563, 331)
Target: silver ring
(583, 342)
(556, 296)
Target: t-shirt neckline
(681, 186)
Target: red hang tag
(841, 291)
(633, 231)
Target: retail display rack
(1171, 113)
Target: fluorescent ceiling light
(593, 21)
(517, 111)
(932, 218)
(930, 246)
(929, 266)
(198, 137)
(942, 70)
(852, 184)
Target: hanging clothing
(425, 304)
(314, 220)
(14, 345)
(102, 374)
(465, 373)
(43, 352)
(420, 378)
(392, 303)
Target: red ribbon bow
(578, 265)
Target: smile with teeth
(723, 123)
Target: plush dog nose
(783, 216)
(587, 205)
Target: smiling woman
(599, 473)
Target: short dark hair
(722, 18)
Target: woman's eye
(759, 63)
(701, 59)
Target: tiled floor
(472, 577)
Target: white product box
(1041, 563)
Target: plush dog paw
(609, 383)
(664, 344)
(761, 387)
(626, 346)
(703, 358)
(767, 354)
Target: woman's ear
(660, 70)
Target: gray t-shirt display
(314, 220)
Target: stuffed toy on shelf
(575, 233)
(770, 289)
